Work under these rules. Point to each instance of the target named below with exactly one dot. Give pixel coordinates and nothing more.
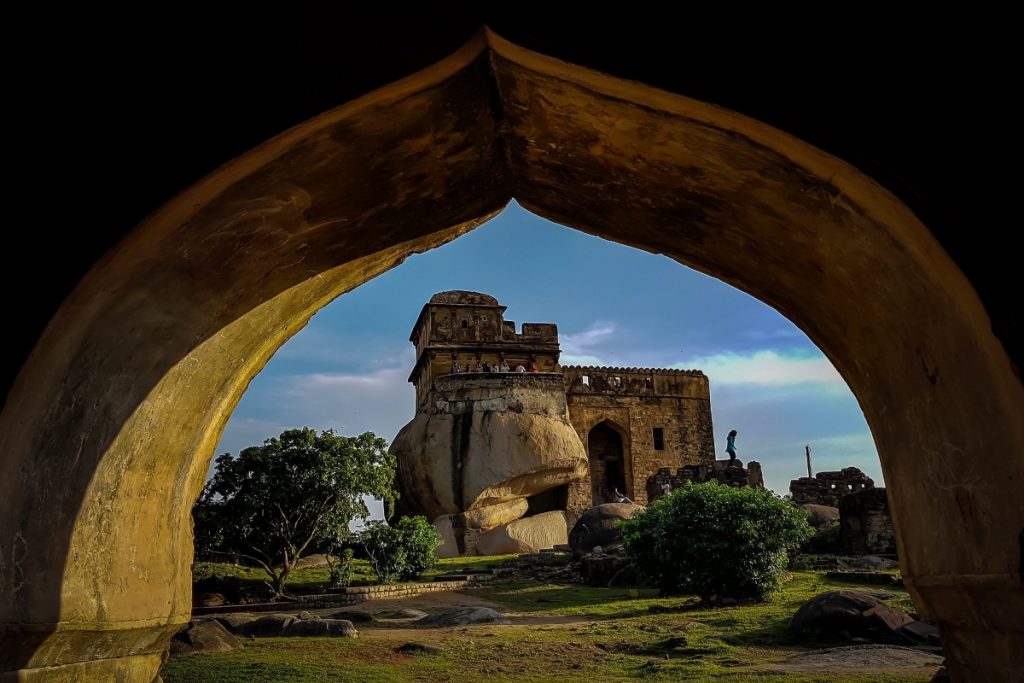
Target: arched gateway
(109, 428)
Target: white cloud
(580, 348)
(765, 367)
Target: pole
(810, 473)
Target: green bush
(402, 551)
(710, 539)
(341, 569)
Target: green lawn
(611, 635)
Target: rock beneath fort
(484, 518)
(447, 544)
(490, 516)
(204, 635)
(339, 628)
(505, 456)
(599, 526)
(461, 617)
(527, 535)
(822, 516)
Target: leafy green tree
(293, 495)
(710, 539)
(402, 551)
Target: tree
(709, 539)
(293, 494)
(402, 551)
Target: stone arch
(603, 436)
(110, 425)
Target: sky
(613, 304)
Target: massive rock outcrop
(481, 448)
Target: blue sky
(614, 305)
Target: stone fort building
(496, 456)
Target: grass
(602, 634)
(308, 580)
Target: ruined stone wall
(828, 488)
(719, 470)
(865, 525)
(635, 401)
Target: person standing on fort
(730, 447)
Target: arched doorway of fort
(108, 431)
(608, 472)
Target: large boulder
(448, 542)
(482, 443)
(599, 526)
(483, 518)
(822, 516)
(265, 627)
(339, 628)
(233, 620)
(204, 635)
(851, 613)
(526, 535)
(490, 516)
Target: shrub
(402, 551)
(709, 539)
(341, 569)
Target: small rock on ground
(417, 649)
(864, 657)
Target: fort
(508, 448)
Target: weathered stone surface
(822, 516)
(406, 613)
(865, 525)
(888, 618)
(513, 442)
(204, 635)
(851, 612)
(341, 628)
(354, 616)
(828, 488)
(461, 617)
(490, 516)
(527, 535)
(265, 627)
(658, 417)
(448, 541)
(232, 621)
(599, 526)
(465, 526)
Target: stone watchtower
(506, 449)
(490, 453)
